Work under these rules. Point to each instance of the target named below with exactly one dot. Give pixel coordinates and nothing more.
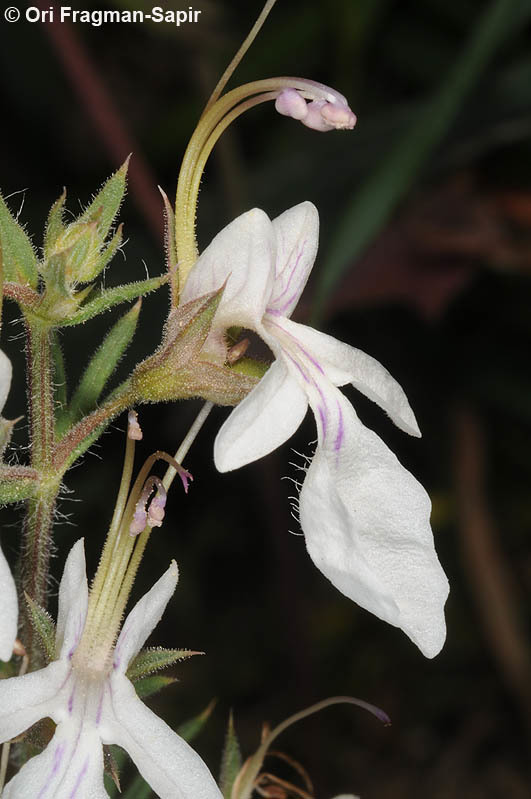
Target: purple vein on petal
(57, 757)
(287, 285)
(79, 779)
(340, 429)
(300, 347)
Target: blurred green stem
(373, 204)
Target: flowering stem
(37, 543)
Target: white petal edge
(6, 372)
(27, 699)
(297, 240)
(366, 524)
(144, 617)
(344, 364)
(244, 253)
(267, 417)
(9, 611)
(73, 601)
(170, 765)
(71, 767)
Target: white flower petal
(266, 418)
(71, 767)
(172, 768)
(9, 611)
(297, 239)
(344, 364)
(73, 601)
(5, 378)
(366, 523)
(243, 252)
(27, 699)
(144, 617)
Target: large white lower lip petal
(266, 418)
(71, 767)
(172, 768)
(25, 700)
(9, 611)
(366, 523)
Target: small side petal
(9, 611)
(25, 700)
(243, 254)
(172, 768)
(144, 617)
(344, 364)
(5, 378)
(73, 601)
(366, 524)
(71, 767)
(267, 417)
(297, 239)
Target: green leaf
(147, 686)
(110, 297)
(101, 367)
(44, 626)
(190, 729)
(106, 204)
(18, 257)
(373, 204)
(16, 483)
(231, 760)
(54, 225)
(154, 659)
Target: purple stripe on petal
(340, 429)
(71, 699)
(299, 345)
(305, 377)
(79, 779)
(57, 757)
(293, 272)
(100, 707)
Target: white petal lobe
(25, 700)
(266, 418)
(5, 378)
(8, 611)
(73, 601)
(172, 768)
(366, 524)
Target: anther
(134, 431)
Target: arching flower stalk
(85, 689)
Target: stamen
(237, 351)
(157, 505)
(323, 113)
(134, 431)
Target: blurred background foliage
(424, 263)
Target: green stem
(37, 543)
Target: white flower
(93, 703)
(8, 592)
(365, 518)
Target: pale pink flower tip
(320, 114)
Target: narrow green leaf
(54, 225)
(110, 297)
(106, 204)
(44, 626)
(190, 729)
(101, 366)
(147, 686)
(373, 204)
(231, 760)
(18, 257)
(16, 483)
(154, 659)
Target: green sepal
(19, 261)
(154, 659)
(191, 728)
(110, 297)
(44, 626)
(231, 760)
(106, 204)
(54, 225)
(100, 368)
(250, 367)
(147, 686)
(17, 483)
(109, 252)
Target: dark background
(425, 256)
